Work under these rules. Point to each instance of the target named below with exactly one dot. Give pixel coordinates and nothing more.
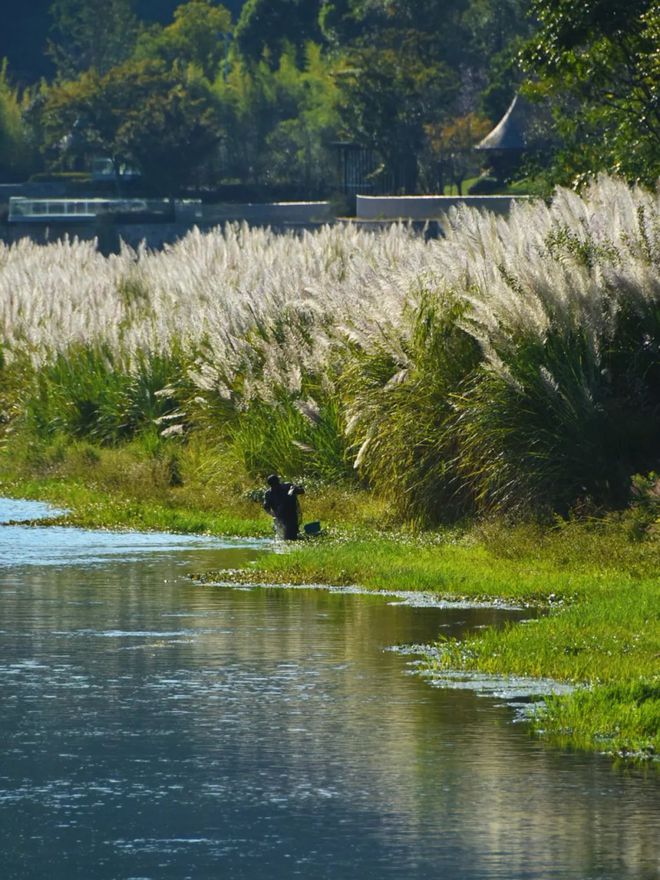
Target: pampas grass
(512, 364)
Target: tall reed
(513, 363)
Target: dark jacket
(281, 502)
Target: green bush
(400, 412)
(299, 439)
(573, 413)
(91, 392)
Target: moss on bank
(598, 578)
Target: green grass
(150, 484)
(138, 486)
(620, 719)
(522, 563)
(526, 186)
(92, 508)
(452, 190)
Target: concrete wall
(271, 213)
(426, 207)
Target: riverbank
(598, 582)
(598, 579)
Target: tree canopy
(267, 27)
(15, 146)
(411, 81)
(162, 121)
(198, 35)
(599, 64)
(391, 94)
(91, 34)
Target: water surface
(156, 728)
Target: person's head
(273, 480)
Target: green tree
(598, 62)
(389, 95)
(496, 32)
(266, 26)
(88, 34)
(199, 35)
(299, 145)
(163, 10)
(173, 131)
(164, 121)
(478, 38)
(446, 38)
(16, 153)
(248, 97)
(411, 64)
(344, 22)
(282, 119)
(452, 147)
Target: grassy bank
(151, 484)
(597, 578)
(599, 582)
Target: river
(154, 728)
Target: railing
(27, 210)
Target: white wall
(271, 212)
(426, 207)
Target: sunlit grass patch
(518, 562)
(162, 484)
(610, 635)
(620, 719)
(151, 485)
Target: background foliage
(292, 78)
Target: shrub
(400, 408)
(90, 392)
(567, 404)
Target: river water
(156, 728)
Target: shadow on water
(158, 728)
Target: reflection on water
(155, 728)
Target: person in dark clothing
(281, 502)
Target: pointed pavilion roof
(510, 131)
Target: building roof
(510, 131)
